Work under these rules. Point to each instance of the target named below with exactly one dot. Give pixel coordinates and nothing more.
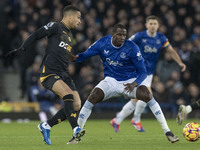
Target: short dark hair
(153, 18)
(70, 8)
(119, 25)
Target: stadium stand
(180, 22)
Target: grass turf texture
(99, 136)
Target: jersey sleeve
(46, 30)
(134, 38)
(165, 41)
(93, 50)
(50, 28)
(139, 64)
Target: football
(191, 131)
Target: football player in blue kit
(150, 43)
(124, 71)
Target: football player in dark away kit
(54, 73)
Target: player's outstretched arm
(14, 52)
(73, 57)
(176, 58)
(38, 34)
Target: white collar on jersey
(114, 45)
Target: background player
(54, 73)
(118, 54)
(150, 43)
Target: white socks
(188, 109)
(42, 116)
(140, 106)
(85, 113)
(126, 111)
(46, 126)
(129, 108)
(156, 110)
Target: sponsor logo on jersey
(106, 52)
(65, 46)
(149, 49)
(50, 24)
(69, 48)
(64, 32)
(123, 55)
(144, 40)
(114, 63)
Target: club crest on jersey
(123, 55)
(158, 41)
(106, 52)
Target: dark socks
(67, 112)
(70, 113)
(57, 118)
(196, 105)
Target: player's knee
(143, 93)
(68, 97)
(77, 105)
(96, 96)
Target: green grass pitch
(99, 136)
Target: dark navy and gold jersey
(58, 48)
(55, 62)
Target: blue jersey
(150, 48)
(121, 63)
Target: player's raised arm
(38, 34)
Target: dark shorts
(48, 80)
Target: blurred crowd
(180, 22)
